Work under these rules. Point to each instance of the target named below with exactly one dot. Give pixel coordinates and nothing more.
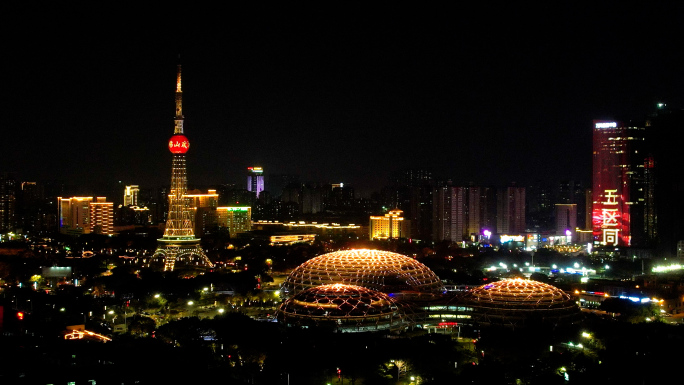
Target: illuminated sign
(606, 125)
(179, 144)
(609, 217)
(80, 334)
(514, 238)
(233, 208)
(447, 324)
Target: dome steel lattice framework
(374, 269)
(515, 302)
(342, 307)
(520, 293)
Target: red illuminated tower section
(179, 242)
(618, 184)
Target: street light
(111, 313)
(396, 365)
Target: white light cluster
(665, 269)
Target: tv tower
(179, 242)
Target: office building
(255, 180)
(235, 220)
(449, 213)
(312, 198)
(131, 195)
(102, 217)
(618, 184)
(390, 226)
(7, 202)
(463, 213)
(662, 127)
(339, 198)
(203, 207)
(573, 192)
(74, 214)
(478, 211)
(34, 215)
(488, 209)
(566, 218)
(277, 183)
(588, 205)
(198, 199)
(510, 212)
(85, 215)
(411, 191)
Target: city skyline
(343, 102)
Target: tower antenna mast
(179, 242)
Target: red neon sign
(179, 144)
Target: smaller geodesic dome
(374, 269)
(343, 308)
(519, 302)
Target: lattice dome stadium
(516, 302)
(342, 307)
(374, 269)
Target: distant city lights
(665, 269)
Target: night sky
(489, 96)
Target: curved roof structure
(341, 307)
(519, 293)
(374, 269)
(521, 302)
(339, 300)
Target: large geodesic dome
(339, 300)
(342, 307)
(374, 269)
(516, 302)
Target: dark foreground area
(234, 349)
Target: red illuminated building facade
(621, 169)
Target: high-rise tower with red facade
(618, 198)
(179, 242)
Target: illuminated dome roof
(374, 269)
(339, 300)
(514, 302)
(342, 307)
(520, 293)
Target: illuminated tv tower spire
(179, 242)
